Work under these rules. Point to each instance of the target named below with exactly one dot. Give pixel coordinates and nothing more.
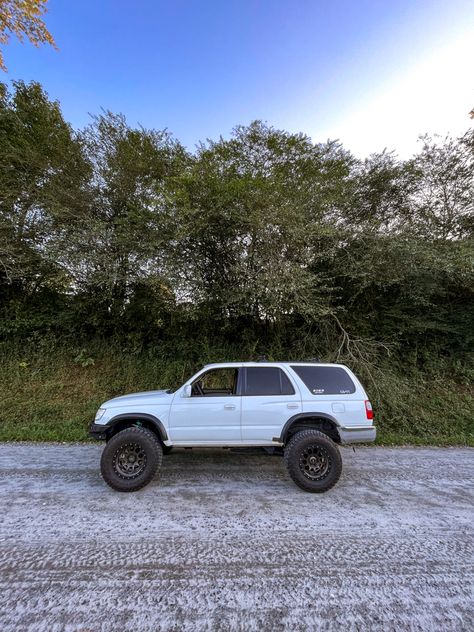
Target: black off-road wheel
(131, 459)
(313, 461)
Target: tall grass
(51, 394)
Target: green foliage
(83, 359)
(53, 397)
(262, 242)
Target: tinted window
(215, 383)
(267, 381)
(325, 380)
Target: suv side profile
(303, 409)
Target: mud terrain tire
(131, 459)
(313, 461)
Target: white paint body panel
(348, 410)
(197, 419)
(263, 416)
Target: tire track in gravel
(408, 601)
(226, 542)
(325, 550)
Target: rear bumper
(357, 434)
(97, 431)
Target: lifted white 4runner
(301, 409)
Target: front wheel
(131, 459)
(313, 461)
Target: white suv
(302, 409)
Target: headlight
(99, 414)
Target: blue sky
(372, 73)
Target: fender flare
(307, 415)
(157, 424)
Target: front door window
(215, 383)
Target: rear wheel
(131, 459)
(313, 461)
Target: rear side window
(325, 380)
(267, 381)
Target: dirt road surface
(225, 541)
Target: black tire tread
(291, 458)
(154, 459)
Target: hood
(133, 399)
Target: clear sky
(373, 73)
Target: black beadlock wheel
(313, 461)
(131, 459)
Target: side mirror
(186, 391)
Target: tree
(262, 238)
(379, 195)
(43, 176)
(119, 248)
(406, 271)
(23, 18)
(251, 210)
(443, 202)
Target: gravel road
(225, 541)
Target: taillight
(368, 409)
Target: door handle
(292, 405)
(229, 406)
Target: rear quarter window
(324, 380)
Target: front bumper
(97, 431)
(357, 434)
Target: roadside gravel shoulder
(225, 541)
